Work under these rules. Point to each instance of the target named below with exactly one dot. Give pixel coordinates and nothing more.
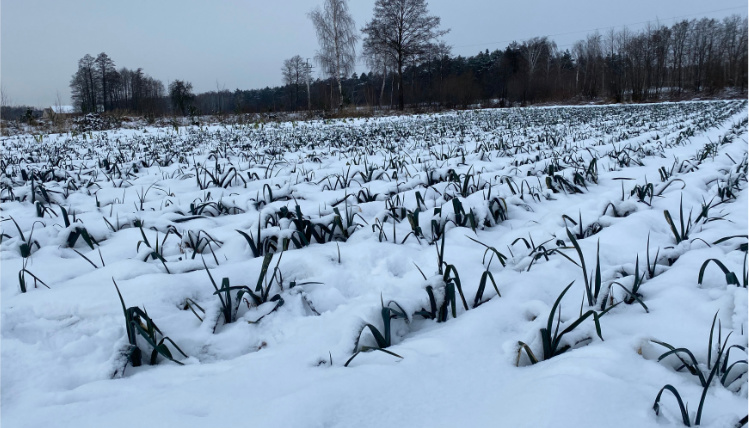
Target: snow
(63, 348)
(63, 109)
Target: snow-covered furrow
(350, 220)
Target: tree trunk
(309, 97)
(400, 86)
(392, 86)
(384, 75)
(340, 93)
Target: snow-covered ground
(380, 203)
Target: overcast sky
(242, 43)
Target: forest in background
(691, 58)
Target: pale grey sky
(242, 43)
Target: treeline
(20, 113)
(659, 62)
(691, 57)
(98, 86)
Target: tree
(534, 51)
(83, 85)
(336, 33)
(295, 73)
(402, 30)
(4, 97)
(377, 59)
(181, 95)
(105, 73)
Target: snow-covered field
(389, 234)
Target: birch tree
(336, 34)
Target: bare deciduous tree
(378, 59)
(295, 74)
(4, 97)
(104, 72)
(404, 31)
(336, 33)
(533, 51)
(83, 85)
